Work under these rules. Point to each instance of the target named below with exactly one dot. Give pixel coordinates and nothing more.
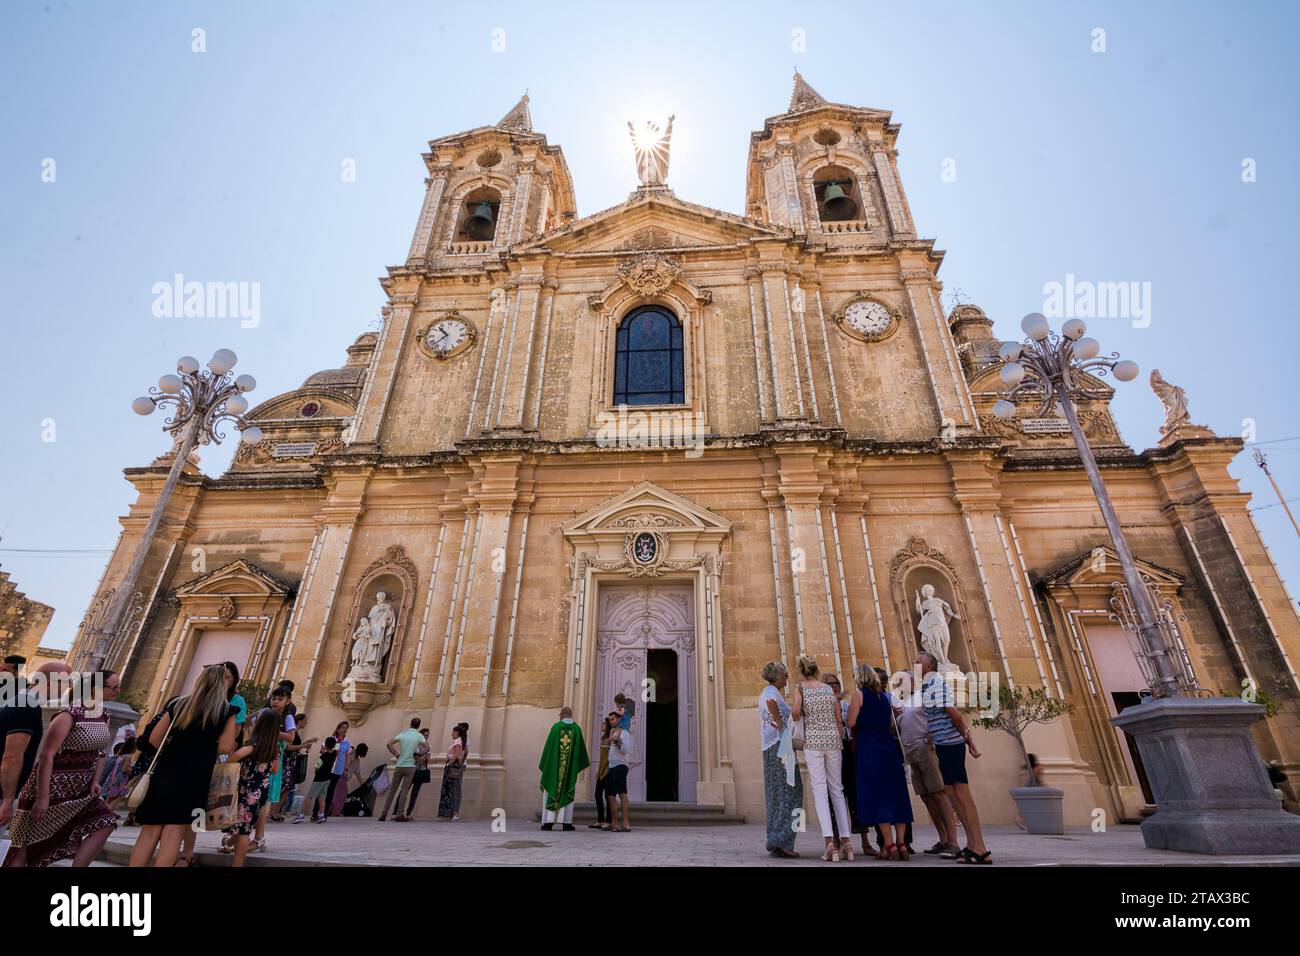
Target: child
(120, 774)
(320, 781)
(259, 761)
(624, 707)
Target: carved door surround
(237, 596)
(1076, 594)
(648, 535)
(634, 619)
(395, 574)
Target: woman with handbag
(193, 730)
(422, 774)
(782, 788)
(816, 704)
(59, 812)
(258, 760)
(882, 783)
(453, 773)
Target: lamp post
(1052, 367)
(203, 400)
(1211, 792)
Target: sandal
(936, 849)
(889, 852)
(832, 854)
(976, 859)
(784, 854)
(846, 848)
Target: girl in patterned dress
(59, 813)
(120, 775)
(259, 763)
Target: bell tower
(828, 169)
(487, 189)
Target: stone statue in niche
(935, 614)
(371, 641)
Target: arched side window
(648, 359)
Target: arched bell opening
(478, 216)
(836, 192)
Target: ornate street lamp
(1211, 792)
(1054, 369)
(203, 401)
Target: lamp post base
(1211, 790)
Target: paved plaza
(366, 842)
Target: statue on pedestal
(651, 144)
(1175, 401)
(935, 614)
(371, 641)
(1178, 423)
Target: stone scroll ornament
(650, 273)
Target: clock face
(868, 318)
(446, 336)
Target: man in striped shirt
(952, 738)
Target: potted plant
(1040, 807)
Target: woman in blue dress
(881, 780)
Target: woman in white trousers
(818, 707)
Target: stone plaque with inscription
(294, 449)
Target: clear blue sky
(225, 165)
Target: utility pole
(1262, 461)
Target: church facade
(648, 450)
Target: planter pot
(1040, 808)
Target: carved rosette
(650, 273)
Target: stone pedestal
(1211, 790)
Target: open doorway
(661, 716)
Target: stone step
(661, 815)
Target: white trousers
(562, 815)
(828, 790)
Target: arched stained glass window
(648, 363)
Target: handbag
(223, 796)
(796, 728)
(141, 788)
(300, 768)
(454, 770)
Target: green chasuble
(563, 758)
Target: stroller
(360, 802)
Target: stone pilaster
(519, 342)
(385, 364)
(951, 393)
(974, 476)
(900, 219)
(435, 186)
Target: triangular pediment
(1101, 567)
(644, 506)
(239, 577)
(652, 220)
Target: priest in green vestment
(563, 758)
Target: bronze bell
(480, 226)
(836, 206)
